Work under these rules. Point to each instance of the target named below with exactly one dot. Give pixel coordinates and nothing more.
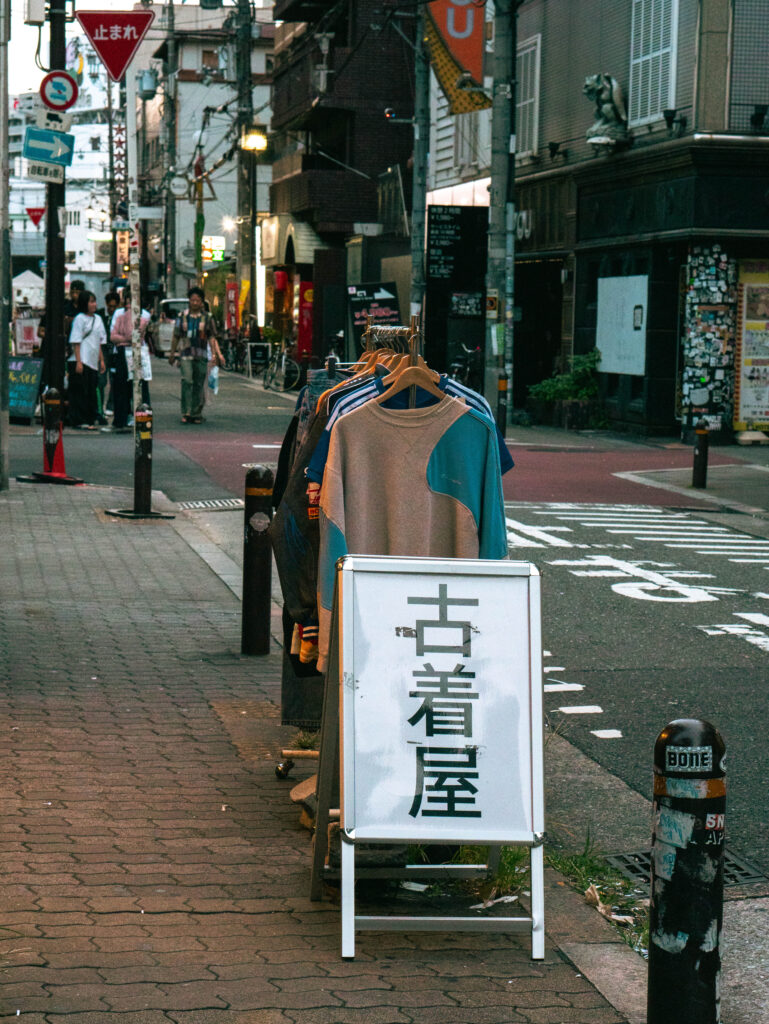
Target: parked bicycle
(281, 373)
(467, 367)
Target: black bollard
(257, 563)
(142, 471)
(502, 402)
(142, 460)
(700, 470)
(687, 876)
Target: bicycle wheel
(291, 374)
(270, 372)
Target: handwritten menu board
(455, 297)
(23, 386)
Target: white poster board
(621, 324)
(441, 704)
(752, 391)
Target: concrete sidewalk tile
(136, 1017)
(373, 1015)
(268, 1016)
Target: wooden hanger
(420, 376)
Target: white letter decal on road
(644, 584)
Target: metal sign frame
(363, 746)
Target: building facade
(642, 204)
(188, 134)
(341, 185)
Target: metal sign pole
(134, 273)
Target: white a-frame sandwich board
(433, 714)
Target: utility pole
(419, 181)
(54, 341)
(5, 247)
(501, 259)
(169, 116)
(246, 199)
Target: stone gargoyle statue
(610, 125)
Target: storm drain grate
(637, 867)
(212, 504)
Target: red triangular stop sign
(115, 35)
(35, 213)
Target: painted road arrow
(48, 147)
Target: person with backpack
(194, 334)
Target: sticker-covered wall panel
(709, 338)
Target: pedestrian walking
(87, 335)
(194, 333)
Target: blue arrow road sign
(47, 147)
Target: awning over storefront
(278, 231)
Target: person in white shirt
(86, 336)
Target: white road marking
(582, 709)
(756, 637)
(607, 734)
(675, 530)
(758, 617)
(266, 446)
(643, 584)
(558, 687)
(555, 668)
(517, 534)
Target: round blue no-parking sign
(58, 90)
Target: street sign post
(115, 35)
(52, 120)
(35, 214)
(47, 147)
(50, 173)
(58, 90)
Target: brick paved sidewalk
(152, 865)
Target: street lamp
(254, 140)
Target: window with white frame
(527, 97)
(466, 139)
(653, 59)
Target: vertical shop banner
(456, 34)
(304, 321)
(243, 293)
(231, 317)
(752, 357)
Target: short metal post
(257, 562)
(142, 460)
(304, 365)
(502, 402)
(687, 875)
(53, 459)
(700, 470)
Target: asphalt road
(652, 614)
